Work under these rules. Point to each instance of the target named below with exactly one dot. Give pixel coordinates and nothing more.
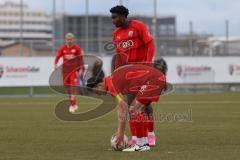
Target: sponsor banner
(35, 71)
(187, 70)
(25, 71)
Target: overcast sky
(208, 16)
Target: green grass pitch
(29, 130)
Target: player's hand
(132, 109)
(79, 73)
(119, 138)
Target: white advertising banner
(35, 71)
(25, 71)
(187, 70)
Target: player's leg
(132, 125)
(141, 129)
(132, 121)
(73, 91)
(66, 83)
(150, 126)
(141, 120)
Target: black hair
(161, 64)
(93, 82)
(121, 10)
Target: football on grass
(118, 147)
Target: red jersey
(72, 58)
(133, 42)
(144, 81)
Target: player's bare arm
(122, 118)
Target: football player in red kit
(72, 67)
(134, 44)
(147, 83)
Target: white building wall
(36, 24)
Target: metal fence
(172, 46)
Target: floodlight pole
(63, 19)
(191, 38)
(54, 25)
(155, 26)
(86, 26)
(227, 37)
(21, 28)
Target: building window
(163, 29)
(171, 29)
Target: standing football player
(134, 44)
(72, 67)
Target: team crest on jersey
(130, 33)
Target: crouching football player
(144, 81)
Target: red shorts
(70, 79)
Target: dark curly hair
(161, 64)
(121, 10)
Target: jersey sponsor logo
(126, 44)
(73, 50)
(69, 56)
